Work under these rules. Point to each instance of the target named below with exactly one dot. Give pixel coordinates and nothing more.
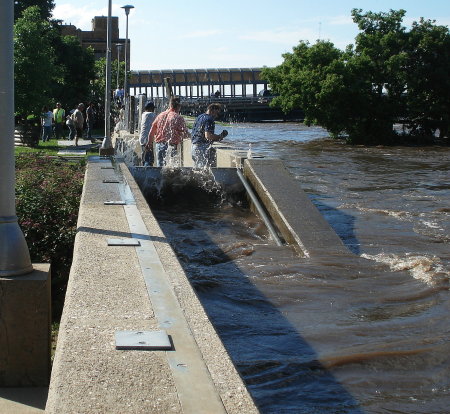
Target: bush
(48, 195)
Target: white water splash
(425, 268)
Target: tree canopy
(48, 67)
(390, 75)
(45, 7)
(34, 62)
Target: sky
(198, 34)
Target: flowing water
(362, 334)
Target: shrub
(48, 195)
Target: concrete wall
(113, 288)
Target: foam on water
(428, 269)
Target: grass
(49, 147)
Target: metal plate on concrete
(111, 180)
(155, 340)
(123, 242)
(114, 203)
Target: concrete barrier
(134, 288)
(298, 220)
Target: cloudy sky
(183, 34)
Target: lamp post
(14, 254)
(119, 48)
(107, 144)
(127, 9)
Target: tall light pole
(119, 48)
(107, 144)
(14, 253)
(127, 9)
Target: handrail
(259, 207)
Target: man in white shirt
(148, 116)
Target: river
(331, 335)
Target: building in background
(96, 38)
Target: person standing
(90, 119)
(168, 130)
(203, 136)
(71, 125)
(78, 120)
(59, 115)
(46, 121)
(148, 116)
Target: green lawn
(50, 147)
(47, 148)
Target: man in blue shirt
(203, 137)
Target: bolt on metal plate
(115, 203)
(123, 242)
(150, 340)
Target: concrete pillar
(25, 328)
(107, 148)
(24, 292)
(14, 254)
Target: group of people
(168, 129)
(54, 121)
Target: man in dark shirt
(203, 137)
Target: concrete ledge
(107, 293)
(299, 221)
(25, 318)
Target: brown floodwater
(368, 333)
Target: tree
(76, 71)
(387, 76)
(34, 60)
(99, 83)
(428, 80)
(45, 7)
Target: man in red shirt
(168, 130)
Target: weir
(125, 277)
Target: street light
(14, 254)
(119, 48)
(127, 9)
(107, 144)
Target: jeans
(72, 132)
(161, 152)
(90, 126)
(46, 133)
(59, 130)
(147, 157)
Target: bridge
(198, 83)
(235, 88)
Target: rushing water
(368, 334)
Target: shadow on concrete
(93, 230)
(23, 400)
(279, 367)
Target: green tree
(45, 7)
(76, 72)
(385, 77)
(99, 83)
(34, 62)
(428, 80)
